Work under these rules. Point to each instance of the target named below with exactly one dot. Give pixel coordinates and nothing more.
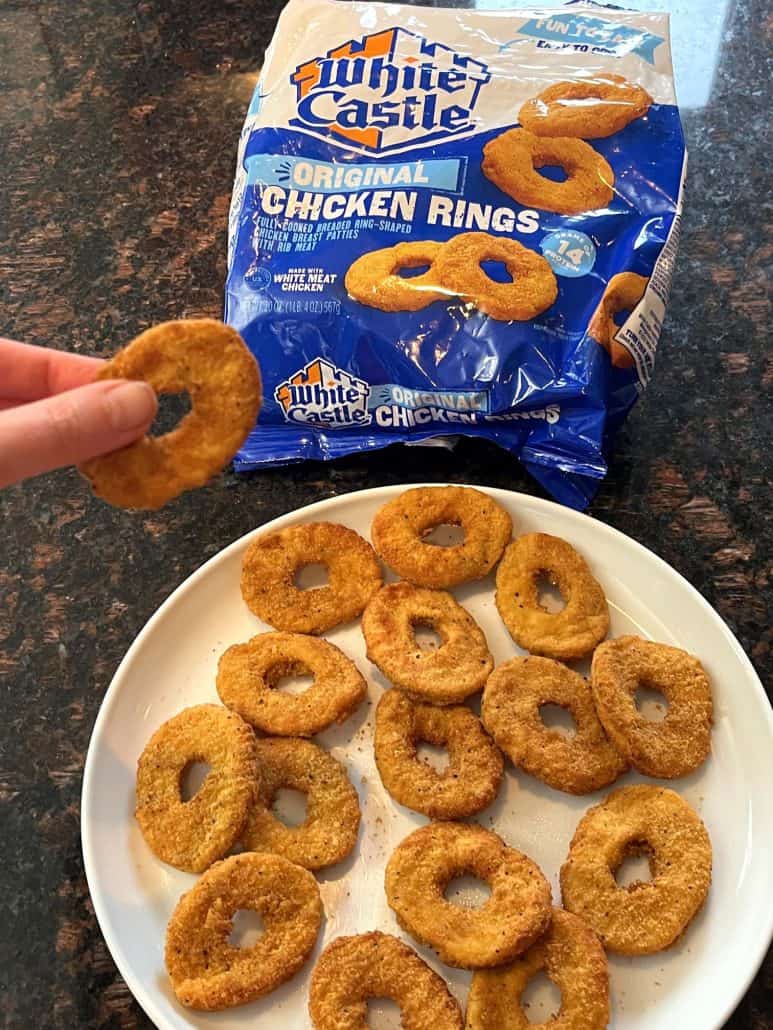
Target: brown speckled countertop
(118, 129)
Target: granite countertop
(118, 129)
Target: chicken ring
(572, 957)
(329, 831)
(192, 834)
(445, 675)
(210, 362)
(247, 675)
(272, 560)
(374, 277)
(511, 161)
(207, 971)
(533, 287)
(400, 526)
(512, 698)
(568, 634)
(468, 784)
(623, 293)
(682, 741)
(563, 109)
(514, 916)
(647, 916)
(351, 970)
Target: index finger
(29, 373)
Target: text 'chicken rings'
(374, 277)
(588, 108)
(208, 361)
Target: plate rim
(114, 946)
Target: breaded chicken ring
(351, 970)
(272, 560)
(373, 279)
(514, 916)
(247, 675)
(571, 955)
(568, 634)
(468, 784)
(512, 162)
(209, 973)
(210, 362)
(444, 675)
(645, 917)
(682, 741)
(533, 287)
(512, 698)
(192, 834)
(623, 293)
(400, 526)
(329, 831)
(587, 109)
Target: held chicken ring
(512, 162)
(563, 109)
(373, 278)
(210, 362)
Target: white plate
(172, 665)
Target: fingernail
(131, 405)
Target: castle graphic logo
(321, 394)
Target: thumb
(73, 426)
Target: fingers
(73, 427)
(29, 373)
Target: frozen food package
(454, 221)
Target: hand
(52, 413)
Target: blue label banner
(448, 400)
(329, 177)
(574, 28)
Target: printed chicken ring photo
(568, 634)
(192, 834)
(533, 287)
(210, 362)
(623, 293)
(571, 955)
(374, 279)
(272, 561)
(207, 971)
(680, 742)
(248, 676)
(563, 108)
(512, 699)
(445, 675)
(647, 916)
(352, 970)
(512, 162)
(401, 525)
(470, 781)
(506, 924)
(329, 831)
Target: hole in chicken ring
(207, 971)
(373, 278)
(680, 742)
(533, 288)
(329, 831)
(401, 525)
(247, 675)
(192, 834)
(272, 560)
(445, 675)
(563, 109)
(571, 955)
(623, 293)
(565, 635)
(512, 698)
(644, 917)
(512, 162)
(210, 362)
(352, 970)
(514, 916)
(468, 784)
